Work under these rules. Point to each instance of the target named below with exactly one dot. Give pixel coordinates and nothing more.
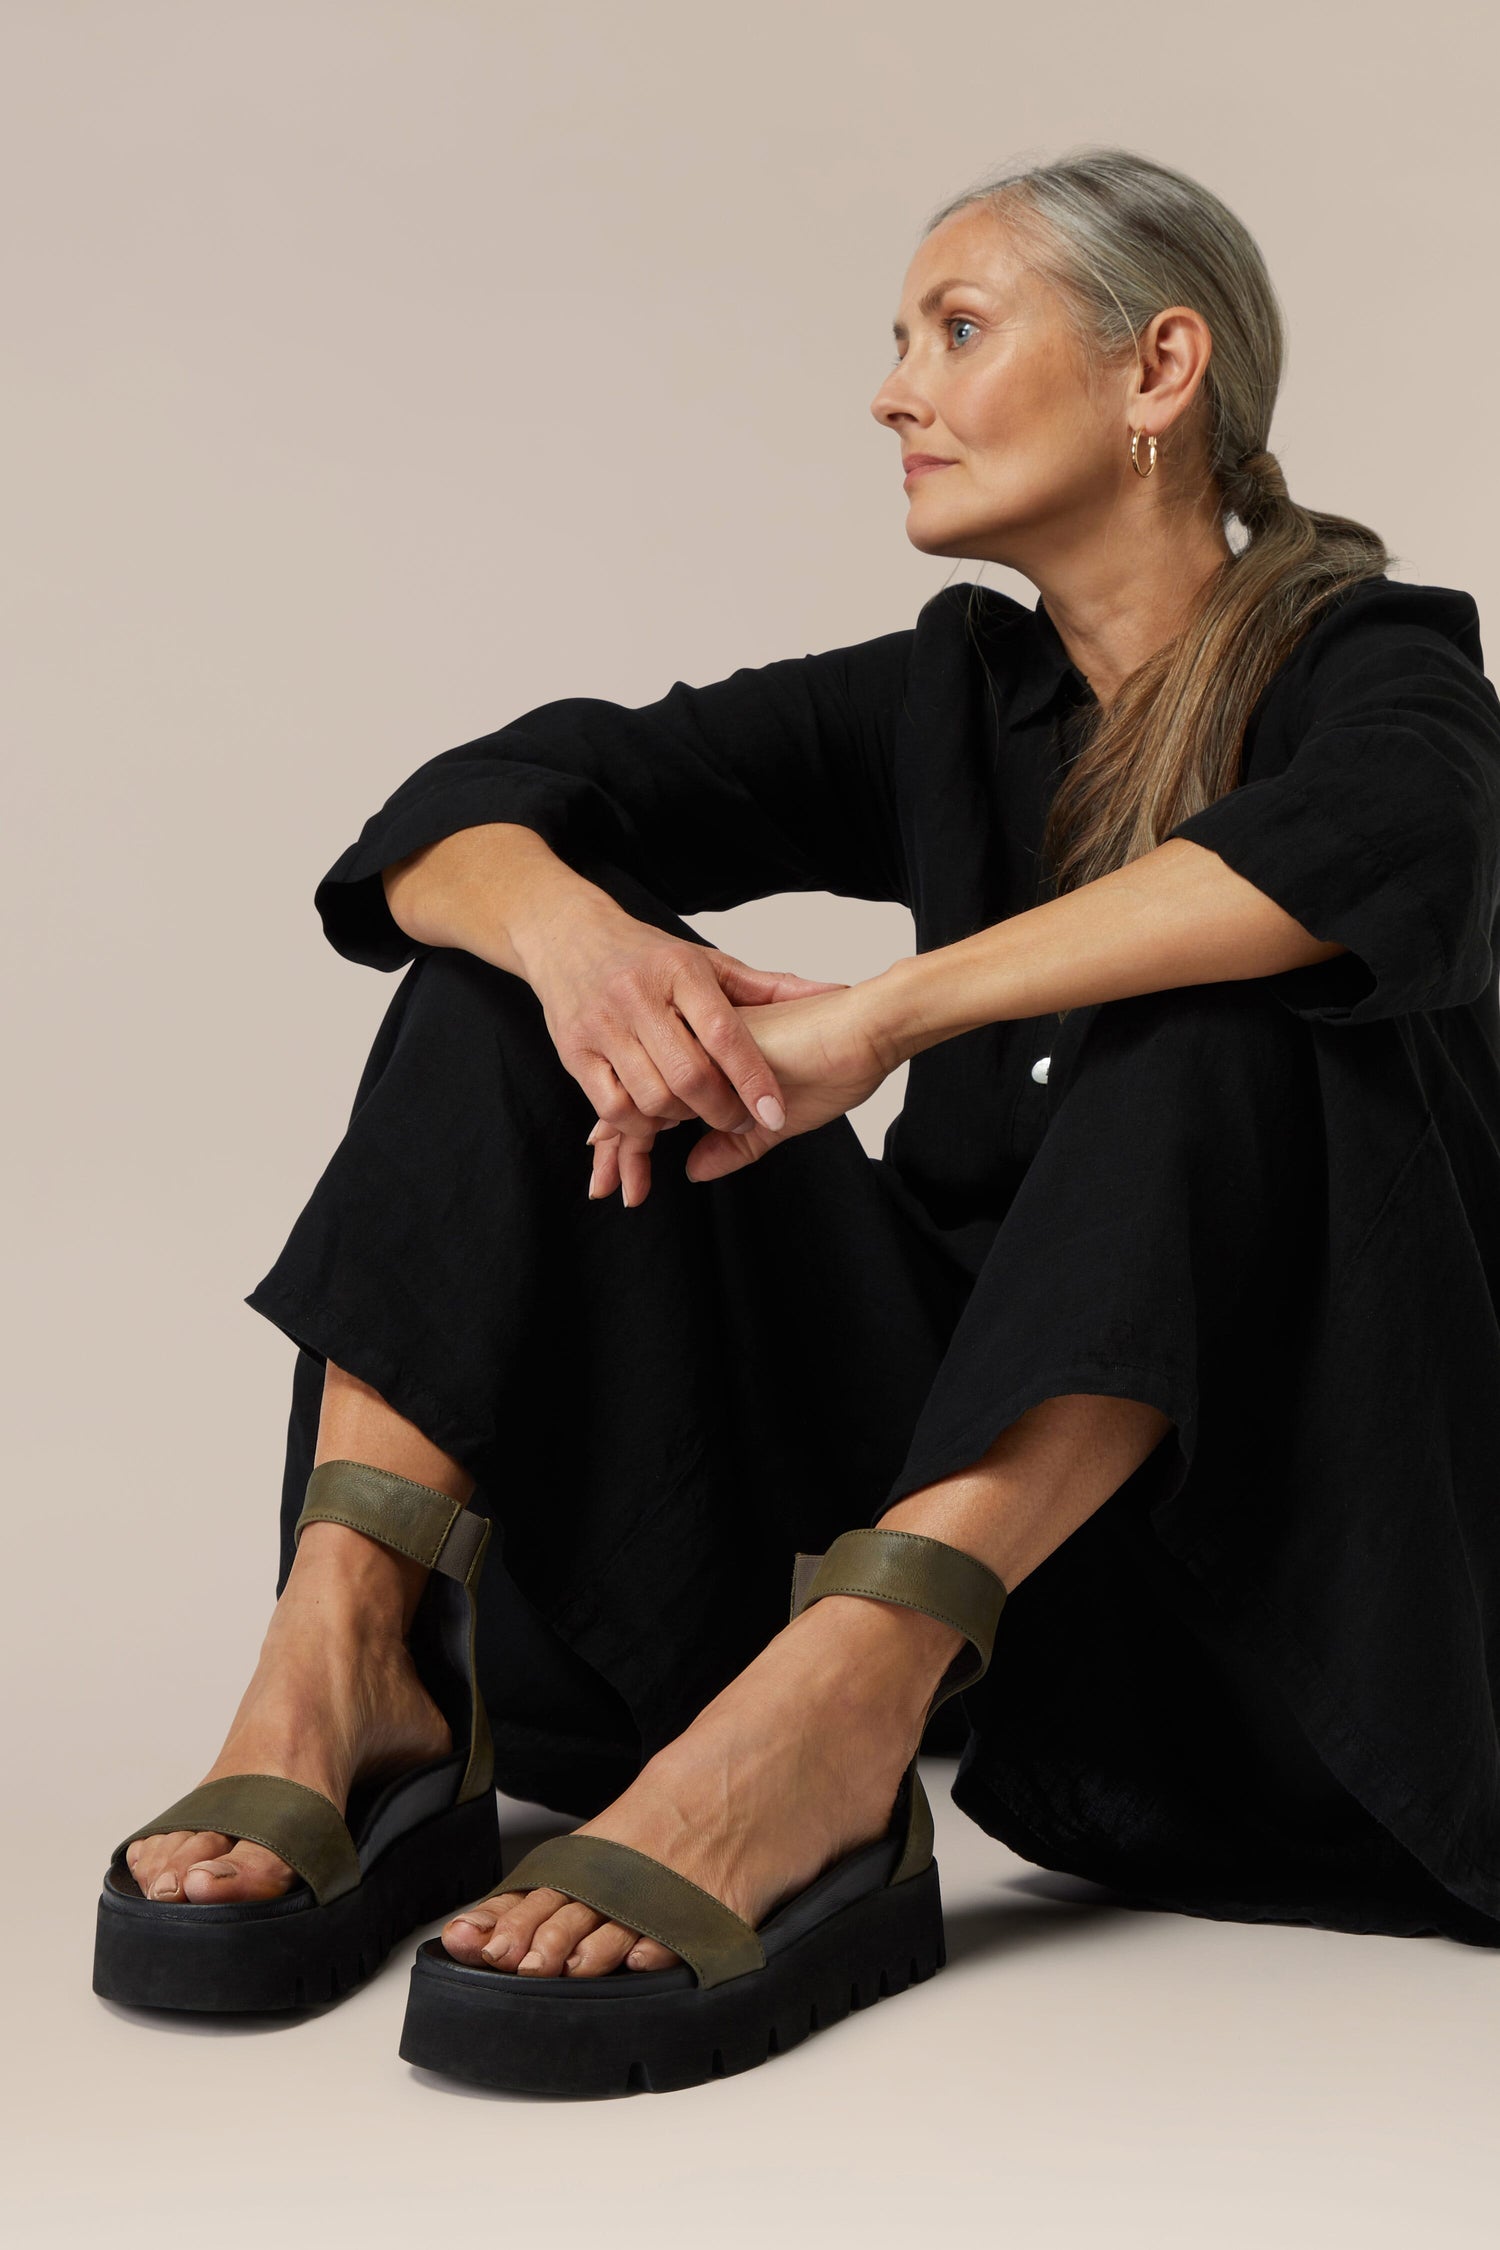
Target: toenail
(636, 1957)
(531, 1960)
(165, 1886)
(474, 1922)
(575, 1960)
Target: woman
(1171, 1298)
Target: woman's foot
(335, 1699)
(796, 1762)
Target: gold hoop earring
(1135, 439)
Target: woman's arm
(778, 778)
(492, 890)
(1357, 871)
(1363, 876)
(1177, 915)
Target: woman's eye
(960, 320)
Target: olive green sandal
(406, 1851)
(869, 1925)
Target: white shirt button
(1039, 1069)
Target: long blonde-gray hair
(1120, 238)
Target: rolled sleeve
(777, 778)
(1382, 831)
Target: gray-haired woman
(1166, 1317)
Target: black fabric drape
(1259, 1681)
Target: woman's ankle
(355, 1578)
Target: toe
(647, 1954)
(467, 1935)
(600, 1950)
(159, 1863)
(518, 1915)
(148, 1855)
(249, 1871)
(554, 1939)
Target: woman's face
(989, 377)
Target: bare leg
(335, 1696)
(798, 1759)
(1044, 1475)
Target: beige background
(375, 372)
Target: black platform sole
(289, 1953)
(612, 2035)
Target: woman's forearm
(490, 890)
(1177, 915)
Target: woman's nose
(888, 405)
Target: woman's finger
(726, 1039)
(634, 1089)
(605, 1177)
(716, 1155)
(633, 1161)
(621, 1161)
(697, 1086)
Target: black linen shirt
(918, 767)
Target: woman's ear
(1175, 348)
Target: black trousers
(661, 1406)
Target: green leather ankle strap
(417, 1520)
(915, 1572)
(908, 1568)
(448, 1538)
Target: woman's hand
(827, 1060)
(649, 1025)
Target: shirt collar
(1047, 670)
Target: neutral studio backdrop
(374, 371)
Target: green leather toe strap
(299, 1824)
(642, 1894)
(416, 1519)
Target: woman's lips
(919, 465)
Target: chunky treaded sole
(533, 2035)
(151, 1955)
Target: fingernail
(165, 1886)
(625, 1195)
(598, 1129)
(747, 1127)
(771, 1112)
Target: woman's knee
(1236, 1019)
(1193, 1057)
(460, 984)
(463, 1044)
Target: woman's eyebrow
(933, 298)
